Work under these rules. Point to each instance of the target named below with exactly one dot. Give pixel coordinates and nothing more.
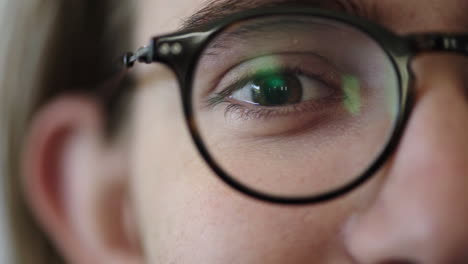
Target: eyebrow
(217, 9)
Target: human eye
(280, 91)
(278, 85)
(280, 88)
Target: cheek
(187, 215)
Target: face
(413, 210)
(416, 207)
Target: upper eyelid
(277, 26)
(217, 9)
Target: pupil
(276, 89)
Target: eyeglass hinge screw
(176, 48)
(128, 60)
(166, 49)
(143, 54)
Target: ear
(76, 183)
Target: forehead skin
(419, 15)
(156, 17)
(402, 16)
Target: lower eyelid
(245, 111)
(261, 122)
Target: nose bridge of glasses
(435, 42)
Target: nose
(420, 214)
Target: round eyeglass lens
(294, 106)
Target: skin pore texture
(176, 210)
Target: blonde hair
(37, 64)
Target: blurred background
(4, 232)
(5, 245)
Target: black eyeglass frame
(181, 51)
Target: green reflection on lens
(391, 94)
(352, 92)
(276, 81)
(271, 88)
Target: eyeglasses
(294, 105)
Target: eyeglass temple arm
(430, 42)
(434, 42)
(143, 54)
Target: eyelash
(246, 113)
